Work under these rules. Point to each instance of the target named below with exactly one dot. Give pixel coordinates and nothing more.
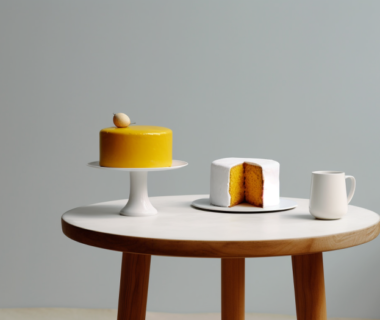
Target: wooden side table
(182, 231)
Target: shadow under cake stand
(138, 204)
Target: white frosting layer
(220, 180)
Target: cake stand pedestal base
(138, 204)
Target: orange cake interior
(237, 185)
(246, 184)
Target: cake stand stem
(138, 204)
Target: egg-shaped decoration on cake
(121, 120)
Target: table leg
(133, 286)
(233, 299)
(309, 287)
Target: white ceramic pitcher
(328, 195)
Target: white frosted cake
(237, 180)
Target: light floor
(108, 314)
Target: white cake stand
(138, 204)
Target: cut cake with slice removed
(237, 180)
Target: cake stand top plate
(176, 164)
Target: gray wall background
(295, 81)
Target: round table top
(181, 230)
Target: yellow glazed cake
(136, 147)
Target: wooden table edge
(220, 249)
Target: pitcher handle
(353, 186)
